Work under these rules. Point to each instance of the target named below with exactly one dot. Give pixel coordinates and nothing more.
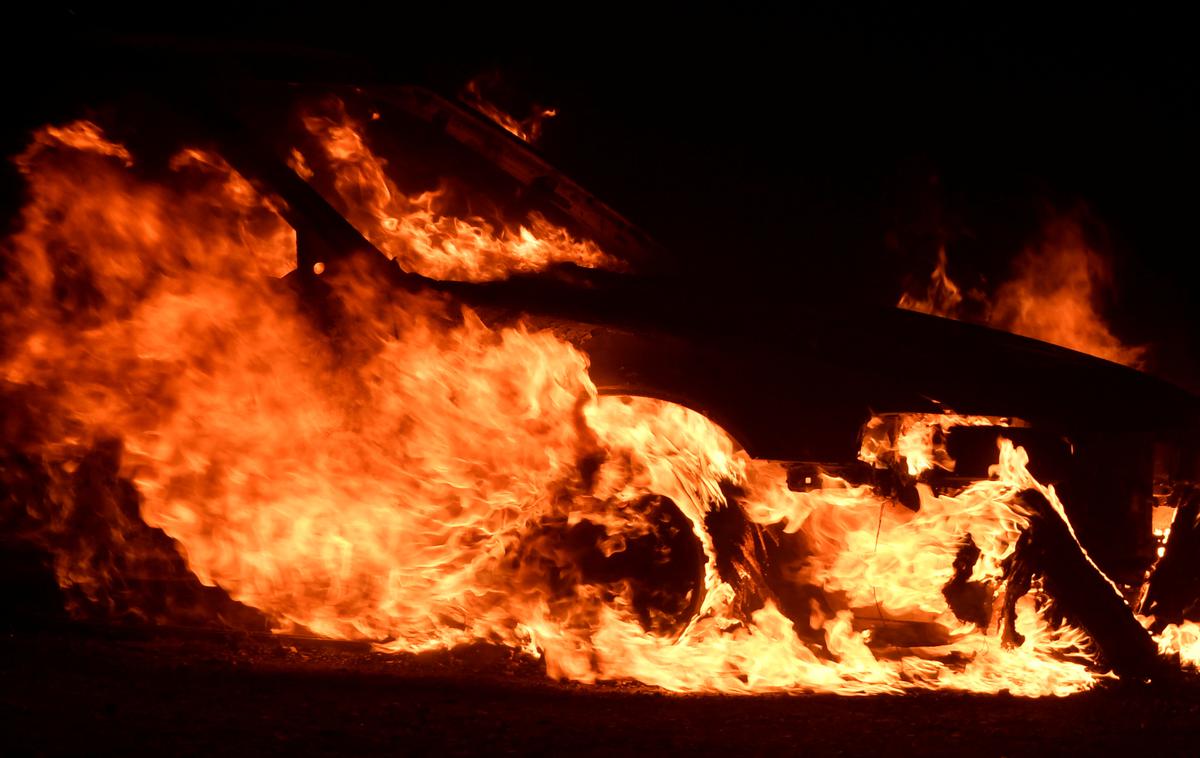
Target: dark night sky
(833, 151)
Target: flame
(417, 478)
(1182, 640)
(913, 440)
(942, 298)
(414, 229)
(1052, 296)
(529, 130)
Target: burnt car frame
(789, 380)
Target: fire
(528, 130)
(1182, 640)
(1052, 296)
(415, 229)
(420, 479)
(913, 441)
(942, 298)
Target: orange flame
(943, 296)
(1051, 297)
(428, 480)
(914, 440)
(416, 231)
(528, 130)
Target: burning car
(355, 362)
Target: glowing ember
(426, 480)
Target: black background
(821, 155)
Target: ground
(79, 689)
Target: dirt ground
(76, 690)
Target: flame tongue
(1052, 296)
(421, 479)
(416, 229)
